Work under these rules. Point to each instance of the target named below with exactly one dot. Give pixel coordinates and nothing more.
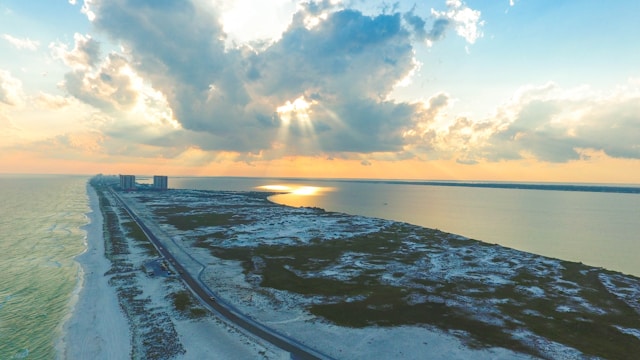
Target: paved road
(295, 348)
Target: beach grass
(183, 302)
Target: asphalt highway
(206, 296)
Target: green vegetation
(376, 303)
(135, 233)
(193, 221)
(183, 302)
(367, 300)
(407, 275)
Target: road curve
(206, 296)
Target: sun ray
(296, 129)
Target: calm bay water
(598, 229)
(40, 234)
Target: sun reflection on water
(297, 195)
(296, 189)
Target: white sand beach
(99, 329)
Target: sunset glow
(506, 90)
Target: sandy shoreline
(97, 328)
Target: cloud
(52, 102)
(179, 86)
(178, 73)
(75, 145)
(556, 125)
(21, 44)
(347, 64)
(84, 55)
(110, 86)
(422, 139)
(250, 21)
(467, 161)
(466, 22)
(546, 123)
(89, 141)
(10, 89)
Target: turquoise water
(596, 228)
(41, 219)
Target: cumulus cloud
(52, 102)
(346, 65)
(21, 44)
(337, 64)
(422, 139)
(546, 122)
(322, 87)
(109, 87)
(110, 84)
(10, 89)
(556, 125)
(465, 21)
(84, 55)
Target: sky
(502, 90)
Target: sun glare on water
(296, 189)
(306, 190)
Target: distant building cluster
(128, 183)
(160, 182)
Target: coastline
(102, 325)
(96, 328)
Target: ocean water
(596, 228)
(41, 219)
